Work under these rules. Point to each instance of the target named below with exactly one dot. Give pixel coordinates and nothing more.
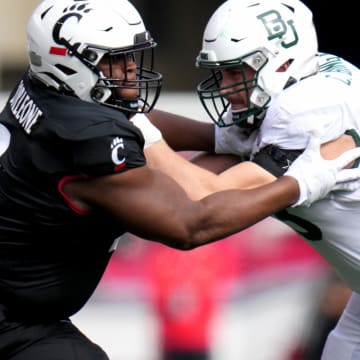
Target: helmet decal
(82, 8)
(276, 27)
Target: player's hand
(150, 132)
(317, 177)
(348, 180)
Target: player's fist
(317, 177)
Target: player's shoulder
(313, 94)
(335, 83)
(318, 102)
(337, 68)
(74, 119)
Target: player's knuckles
(348, 175)
(349, 155)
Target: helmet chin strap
(128, 107)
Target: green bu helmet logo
(276, 27)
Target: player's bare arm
(200, 181)
(173, 218)
(248, 175)
(180, 222)
(232, 174)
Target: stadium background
(267, 286)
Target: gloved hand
(150, 132)
(317, 177)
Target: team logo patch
(118, 153)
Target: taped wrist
(150, 132)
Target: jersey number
(303, 227)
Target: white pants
(343, 343)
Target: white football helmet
(264, 34)
(67, 39)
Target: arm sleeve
(107, 155)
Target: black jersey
(52, 257)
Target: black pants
(59, 340)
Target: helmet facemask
(214, 96)
(146, 82)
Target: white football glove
(150, 132)
(317, 177)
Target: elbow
(189, 241)
(187, 230)
(187, 245)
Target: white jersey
(329, 101)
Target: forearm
(165, 214)
(225, 213)
(216, 163)
(251, 207)
(232, 172)
(246, 175)
(199, 182)
(196, 181)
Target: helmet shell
(66, 39)
(264, 34)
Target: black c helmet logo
(59, 24)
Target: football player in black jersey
(73, 175)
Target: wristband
(150, 132)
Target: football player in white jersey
(269, 89)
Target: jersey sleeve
(107, 154)
(299, 111)
(292, 118)
(99, 140)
